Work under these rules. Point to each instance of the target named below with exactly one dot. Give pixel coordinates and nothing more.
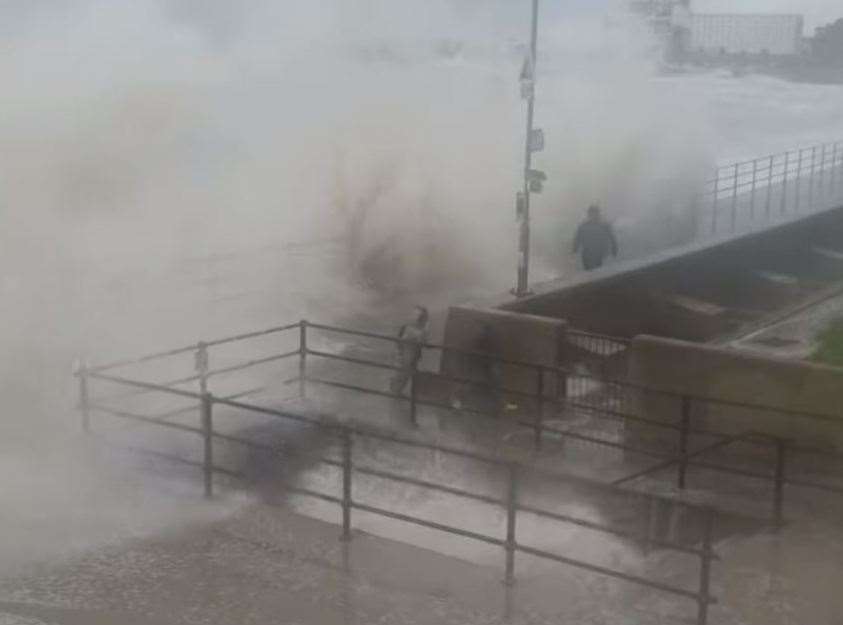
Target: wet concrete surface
(795, 335)
(269, 565)
(265, 566)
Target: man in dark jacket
(595, 239)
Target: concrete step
(777, 289)
(826, 263)
(688, 317)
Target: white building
(716, 34)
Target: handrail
(834, 420)
(359, 431)
(206, 401)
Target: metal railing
(550, 389)
(565, 380)
(509, 501)
(741, 195)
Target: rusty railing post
(778, 495)
(84, 404)
(511, 513)
(208, 439)
(347, 468)
(539, 418)
(414, 418)
(705, 568)
(684, 434)
(303, 359)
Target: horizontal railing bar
(224, 471)
(189, 348)
(249, 335)
(273, 412)
(430, 524)
(599, 527)
(734, 470)
(352, 387)
(146, 419)
(144, 385)
(177, 412)
(370, 335)
(187, 409)
(425, 484)
(609, 413)
(612, 573)
(680, 459)
(276, 449)
(394, 339)
(251, 391)
(815, 451)
(357, 361)
(310, 493)
(252, 363)
(592, 439)
(806, 484)
(138, 392)
(160, 454)
(140, 359)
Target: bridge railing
(743, 195)
(516, 477)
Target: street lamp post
(533, 142)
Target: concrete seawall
(732, 376)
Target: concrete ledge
(511, 336)
(730, 375)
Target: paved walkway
(269, 565)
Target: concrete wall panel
(512, 336)
(730, 375)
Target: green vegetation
(830, 350)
